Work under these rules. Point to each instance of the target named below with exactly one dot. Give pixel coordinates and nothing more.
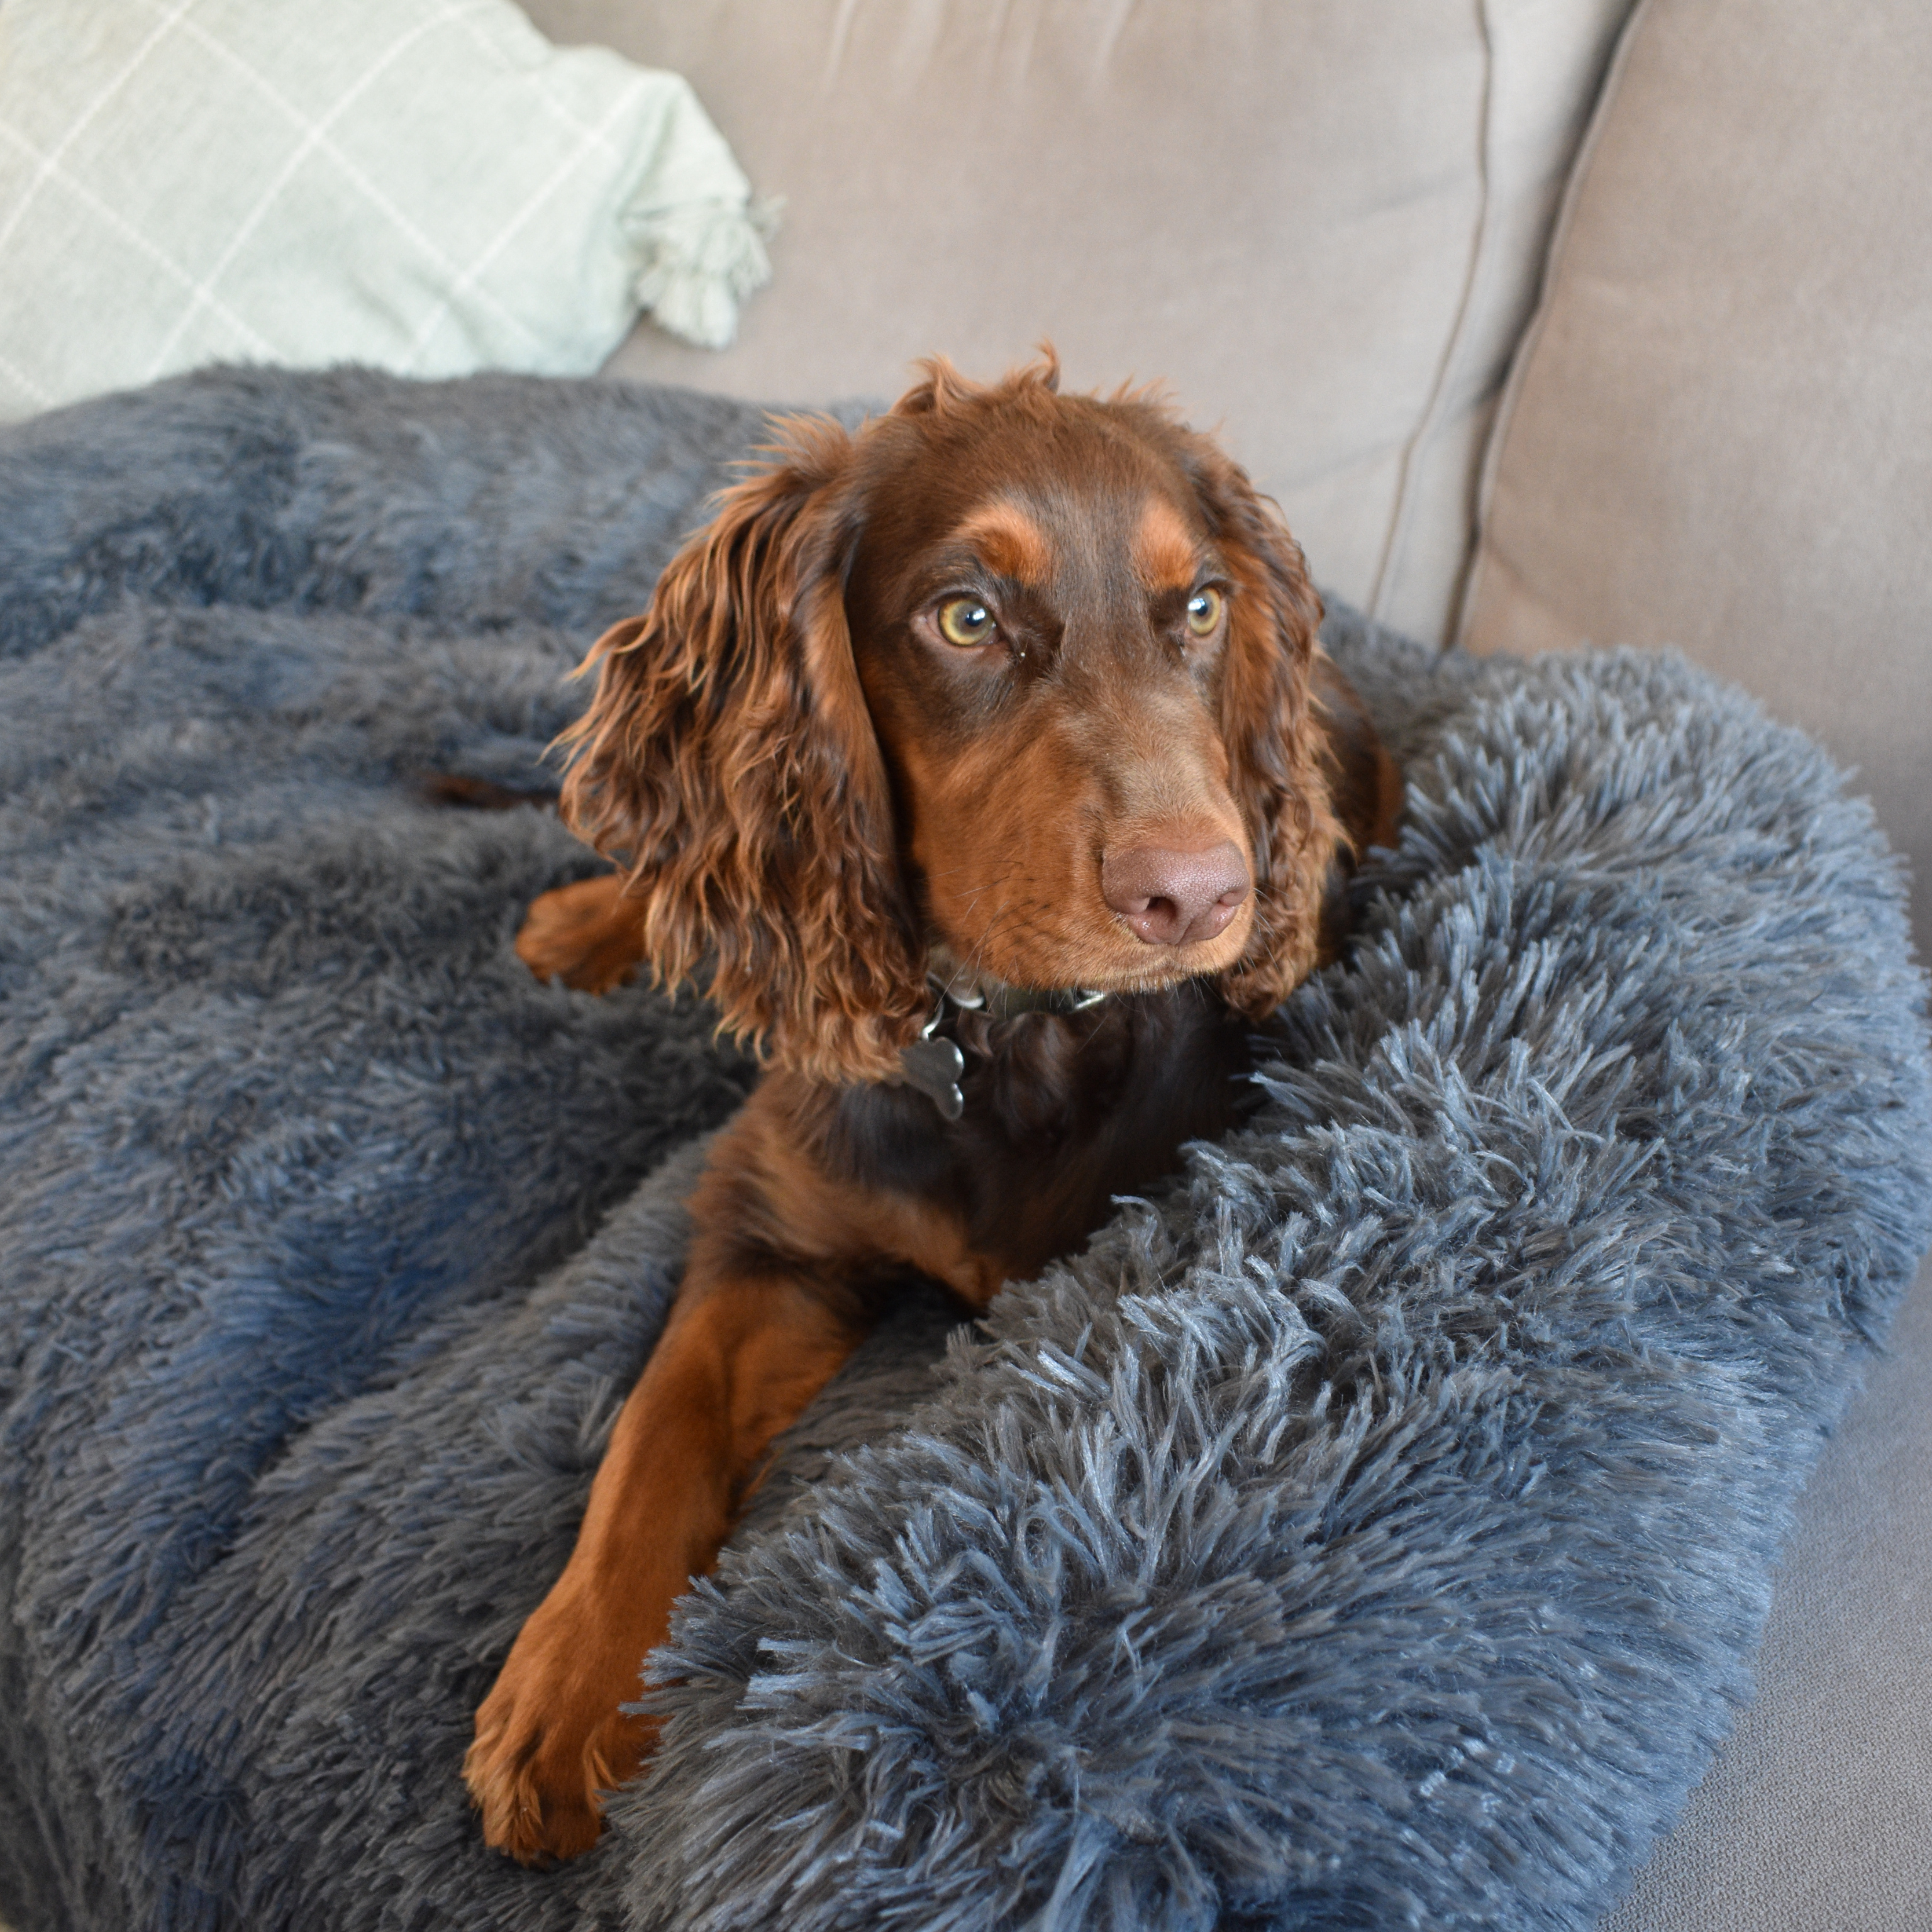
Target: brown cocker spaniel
(986, 762)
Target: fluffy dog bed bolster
(1371, 1529)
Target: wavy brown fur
(729, 730)
(1015, 680)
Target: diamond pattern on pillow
(425, 185)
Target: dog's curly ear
(727, 761)
(1274, 734)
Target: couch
(1550, 322)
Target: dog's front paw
(589, 935)
(551, 1739)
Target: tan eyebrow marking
(1010, 542)
(1166, 554)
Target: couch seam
(1469, 596)
(1401, 516)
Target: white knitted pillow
(426, 185)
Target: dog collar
(933, 1063)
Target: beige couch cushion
(1817, 1814)
(1321, 222)
(1719, 434)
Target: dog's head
(1015, 678)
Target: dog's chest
(1063, 1112)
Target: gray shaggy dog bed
(1371, 1530)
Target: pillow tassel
(698, 260)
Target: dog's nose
(1175, 899)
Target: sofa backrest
(1321, 223)
(1719, 432)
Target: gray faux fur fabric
(1371, 1530)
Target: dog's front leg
(742, 1353)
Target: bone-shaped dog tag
(934, 1067)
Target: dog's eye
(965, 621)
(1204, 610)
